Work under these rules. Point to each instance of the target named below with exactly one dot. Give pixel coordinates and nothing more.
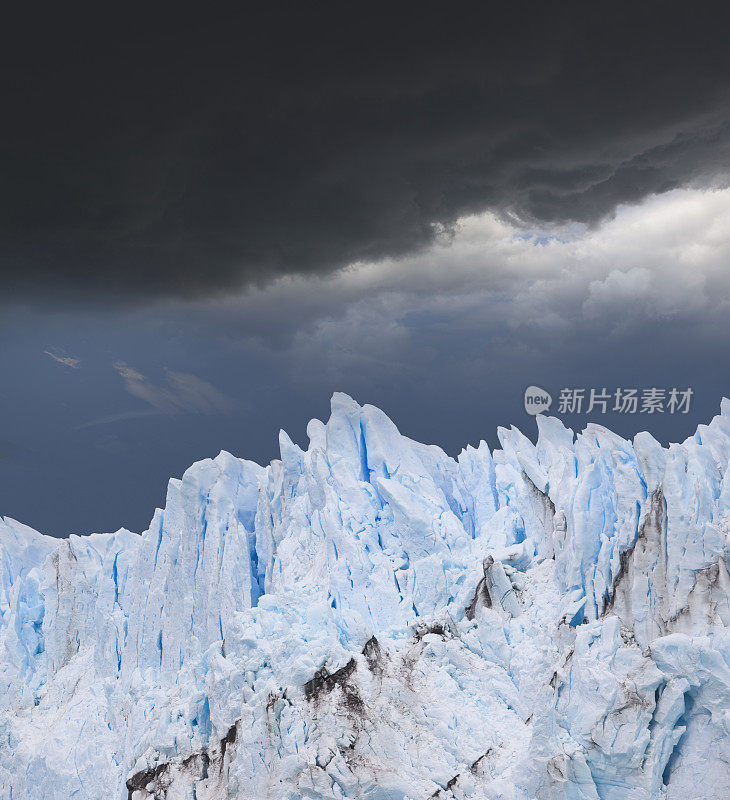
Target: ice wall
(371, 618)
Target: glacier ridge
(371, 618)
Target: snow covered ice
(371, 618)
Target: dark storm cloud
(151, 155)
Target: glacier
(371, 618)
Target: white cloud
(664, 259)
(67, 361)
(491, 284)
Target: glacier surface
(371, 618)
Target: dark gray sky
(208, 225)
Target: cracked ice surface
(370, 618)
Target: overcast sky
(207, 226)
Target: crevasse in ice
(371, 618)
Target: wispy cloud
(62, 358)
(124, 415)
(182, 392)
